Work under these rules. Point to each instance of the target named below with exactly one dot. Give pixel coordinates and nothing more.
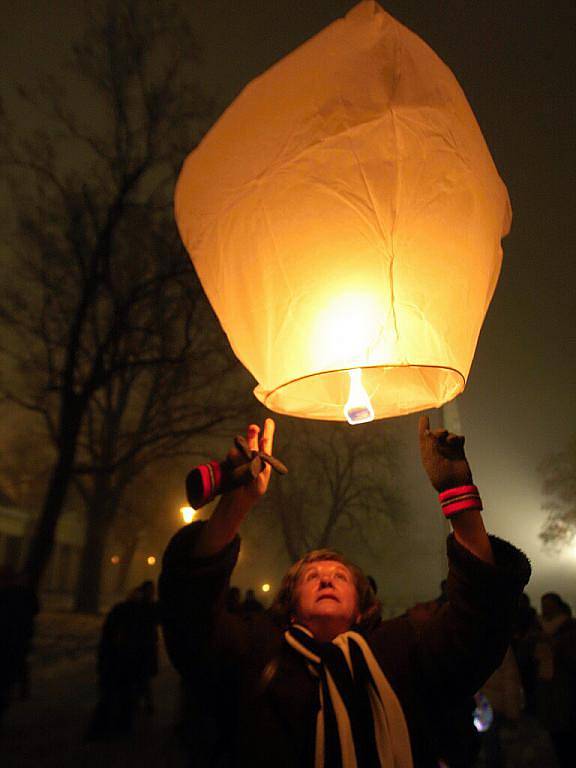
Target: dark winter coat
(128, 649)
(556, 696)
(258, 691)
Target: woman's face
(326, 591)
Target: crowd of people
(320, 678)
(536, 681)
(544, 648)
(535, 684)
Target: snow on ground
(62, 637)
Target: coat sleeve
(467, 639)
(197, 628)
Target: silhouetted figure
(373, 584)
(234, 600)
(18, 607)
(556, 683)
(527, 631)
(251, 605)
(504, 692)
(127, 660)
(150, 623)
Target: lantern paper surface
(345, 213)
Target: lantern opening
(393, 390)
(358, 409)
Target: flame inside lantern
(358, 409)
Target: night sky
(515, 61)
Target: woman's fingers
(252, 436)
(267, 439)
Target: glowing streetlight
(265, 587)
(187, 514)
(115, 559)
(151, 560)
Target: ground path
(46, 730)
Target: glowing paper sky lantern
(344, 216)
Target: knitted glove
(209, 480)
(443, 457)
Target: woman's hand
(233, 506)
(258, 440)
(443, 457)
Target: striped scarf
(360, 722)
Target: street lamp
(265, 587)
(187, 514)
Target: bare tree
(92, 193)
(24, 458)
(558, 474)
(147, 414)
(342, 484)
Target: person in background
(503, 689)
(555, 655)
(150, 620)
(127, 660)
(251, 605)
(234, 600)
(18, 609)
(373, 584)
(527, 631)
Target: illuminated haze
(515, 64)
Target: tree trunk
(91, 563)
(126, 558)
(42, 542)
